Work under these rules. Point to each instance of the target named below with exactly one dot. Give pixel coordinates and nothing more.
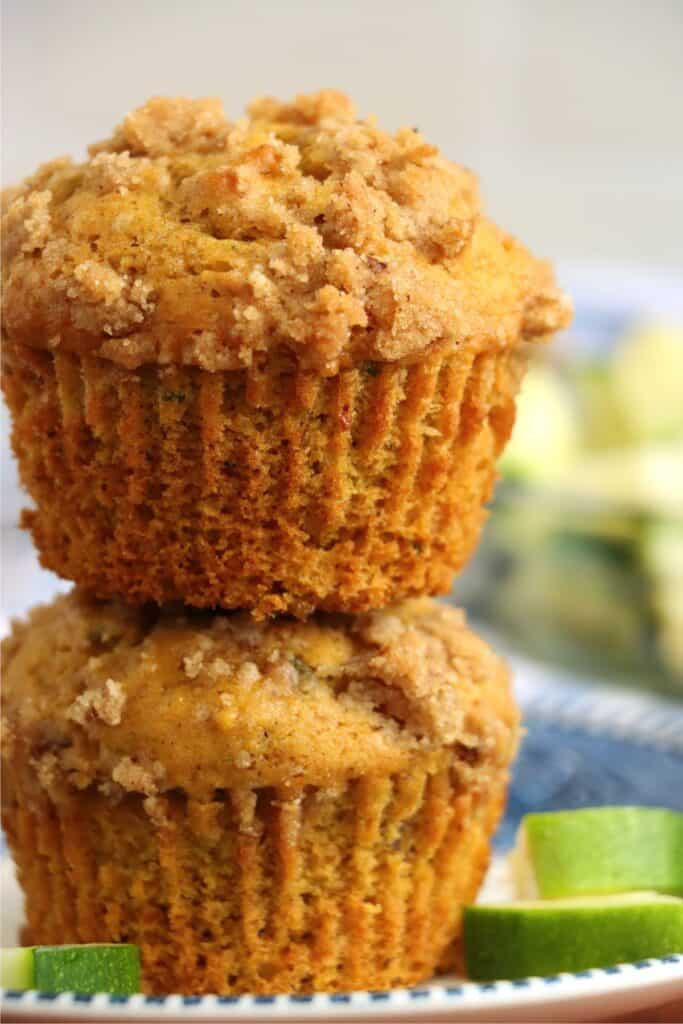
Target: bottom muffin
(280, 807)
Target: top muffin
(267, 364)
(188, 239)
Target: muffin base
(271, 489)
(257, 891)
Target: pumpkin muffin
(266, 364)
(280, 807)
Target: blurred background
(570, 114)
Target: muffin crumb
(46, 767)
(8, 736)
(27, 224)
(284, 674)
(106, 703)
(136, 779)
(124, 302)
(157, 809)
(219, 668)
(248, 673)
(164, 126)
(117, 172)
(382, 628)
(193, 663)
(112, 790)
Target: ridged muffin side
(279, 808)
(278, 491)
(334, 890)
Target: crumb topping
(186, 238)
(26, 225)
(157, 809)
(106, 704)
(135, 778)
(234, 702)
(248, 674)
(192, 664)
(47, 769)
(7, 736)
(165, 126)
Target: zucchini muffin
(266, 364)
(280, 807)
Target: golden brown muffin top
(189, 239)
(137, 699)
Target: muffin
(262, 807)
(266, 364)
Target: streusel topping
(150, 700)
(186, 238)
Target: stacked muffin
(259, 374)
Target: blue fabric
(563, 767)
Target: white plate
(595, 996)
(606, 747)
(592, 995)
(603, 992)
